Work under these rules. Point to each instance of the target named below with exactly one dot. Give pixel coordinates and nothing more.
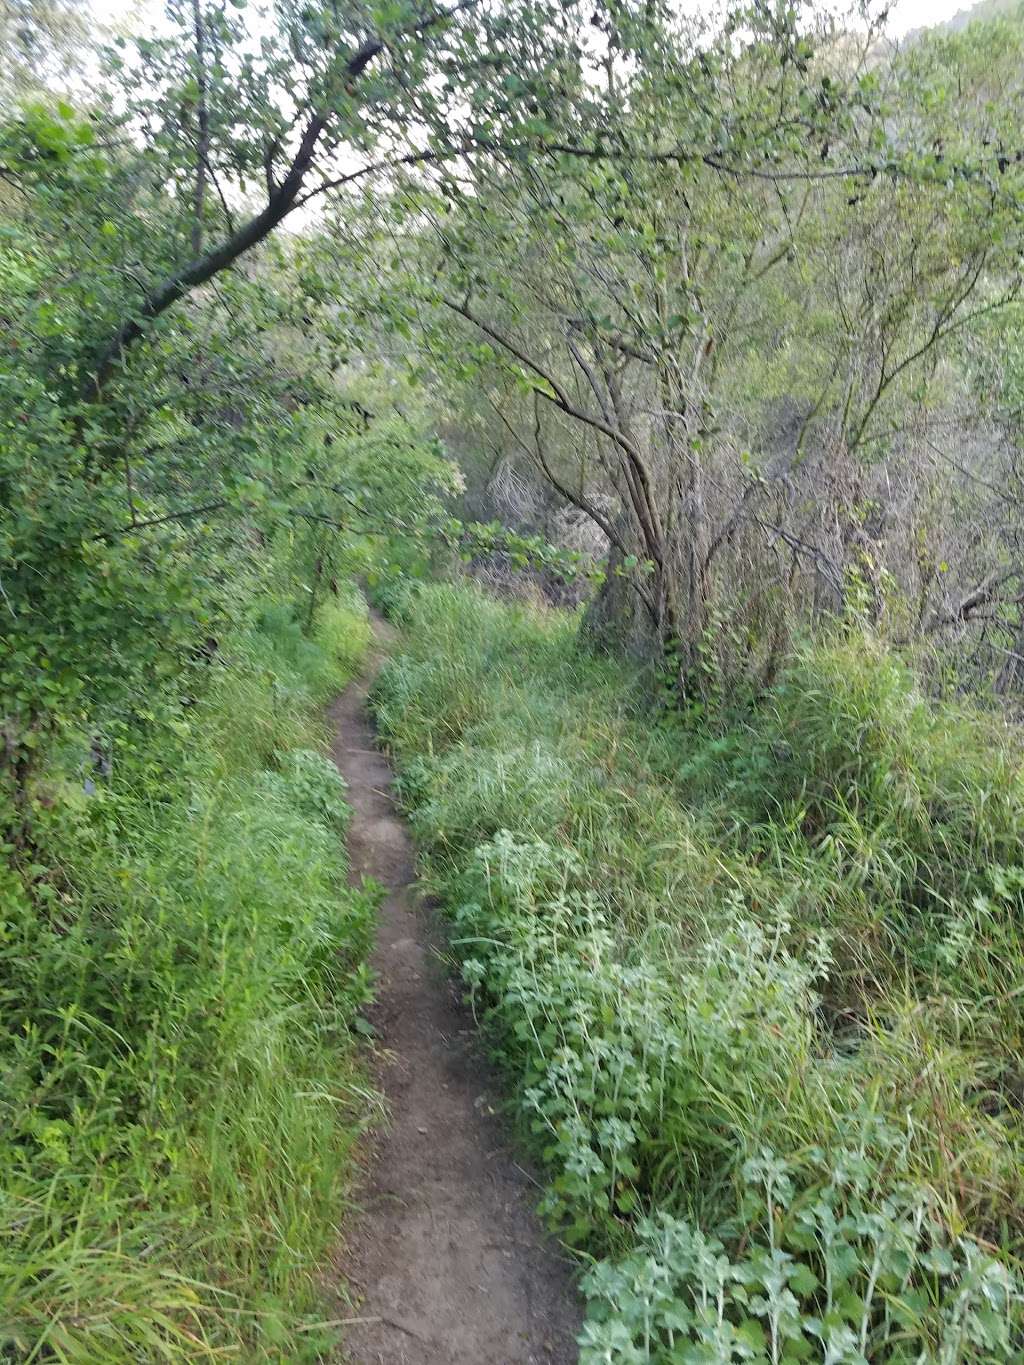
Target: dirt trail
(447, 1252)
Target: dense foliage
(753, 988)
(719, 316)
(177, 982)
(180, 956)
(754, 336)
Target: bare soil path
(447, 1252)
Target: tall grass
(178, 979)
(755, 989)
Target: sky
(906, 14)
(910, 14)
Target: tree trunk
(617, 621)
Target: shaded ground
(447, 1253)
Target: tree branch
(556, 394)
(284, 197)
(184, 515)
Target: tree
(764, 212)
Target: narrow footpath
(445, 1250)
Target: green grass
(755, 988)
(179, 1091)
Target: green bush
(898, 821)
(706, 963)
(179, 1096)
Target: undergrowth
(755, 988)
(178, 973)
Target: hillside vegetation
(179, 1096)
(755, 987)
(707, 328)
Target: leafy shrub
(678, 1297)
(610, 1054)
(395, 595)
(311, 785)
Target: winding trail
(447, 1253)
